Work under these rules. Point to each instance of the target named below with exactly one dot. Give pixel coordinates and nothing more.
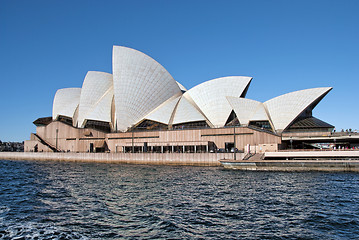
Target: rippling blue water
(59, 200)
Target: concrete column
(183, 148)
(161, 149)
(207, 148)
(173, 148)
(195, 148)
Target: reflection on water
(58, 200)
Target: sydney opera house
(141, 108)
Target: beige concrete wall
(219, 136)
(244, 136)
(29, 146)
(69, 138)
(268, 147)
(78, 140)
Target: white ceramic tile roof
(140, 85)
(284, 109)
(96, 98)
(186, 112)
(164, 112)
(248, 110)
(65, 102)
(181, 87)
(140, 88)
(102, 109)
(210, 97)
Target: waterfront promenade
(268, 161)
(191, 159)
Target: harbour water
(68, 200)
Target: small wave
(4, 209)
(168, 225)
(37, 231)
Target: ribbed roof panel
(210, 97)
(65, 102)
(247, 110)
(284, 109)
(164, 112)
(186, 112)
(96, 98)
(140, 85)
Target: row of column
(163, 149)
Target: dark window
(191, 125)
(147, 125)
(98, 125)
(265, 125)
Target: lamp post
(57, 136)
(234, 142)
(133, 147)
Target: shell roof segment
(210, 97)
(140, 88)
(186, 112)
(284, 109)
(164, 112)
(140, 85)
(96, 98)
(65, 102)
(248, 110)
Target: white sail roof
(96, 98)
(186, 112)
(248, 110)
(210, 97)
(164, 112)
(65, 102)
(140, 88)
(140, 85)
(284, 109)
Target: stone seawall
(192, 159)
(291, 165)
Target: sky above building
(284, 45)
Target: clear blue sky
(284, 45)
